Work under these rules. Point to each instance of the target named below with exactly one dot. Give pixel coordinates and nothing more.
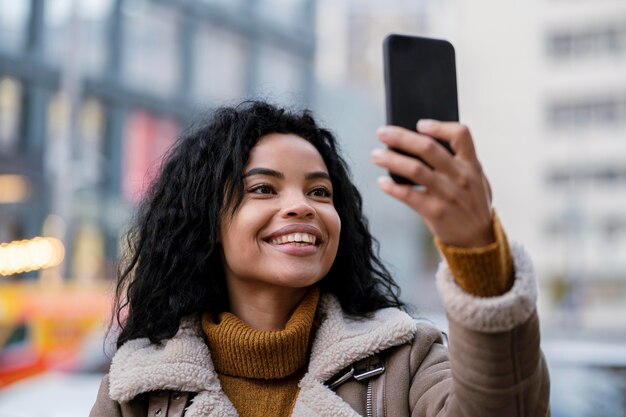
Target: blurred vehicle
(44, 328)
(53, 394)
(588, 378)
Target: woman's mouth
(294, 236)
(297, 239)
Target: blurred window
(150, 50)
(609, 227)
(614, 227)
(602, 175)
(608, 40)
(88, 143)
(88, 260)
(225, 3)
(589, 112)
(220, 64)
(279, 75)
(558, 177)
(88, 44)
(18, 337)
(288, 13)
(555, 228)
(12, 225)
(147, 137)
(10, 111)
(13, 24)
(58, 116)
(91, 130)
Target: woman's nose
(299, 208)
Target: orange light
(30, 255)
(13, 189)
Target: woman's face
(285, 233)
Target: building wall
(92, 94)
(542, 85)
(545, 86)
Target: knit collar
(241, 351)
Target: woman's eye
(262, 189)
(321, 192)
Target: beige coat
(493, 367)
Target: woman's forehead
(285, 149)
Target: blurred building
(93, 92)
(543, 87)
(349, 97)
(583, 129)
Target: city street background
(93, 92)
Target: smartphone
(420, 83)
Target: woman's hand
(455, 200)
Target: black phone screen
(420, 82)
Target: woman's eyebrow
(264, 171)
(317, 175)
(273, 173)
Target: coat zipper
(370, 371)
(368, 398)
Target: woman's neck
(264, 308)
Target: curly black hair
(173, 265)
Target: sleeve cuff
(491, 314)
(486, 271)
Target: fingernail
(425, 124)
(377, 153)
(383, 131)
(383, 181)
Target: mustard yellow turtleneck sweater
(259, 370)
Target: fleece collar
(183, 363)
(342, 340)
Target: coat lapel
(182, 363)
(340, 341)
(317, 400)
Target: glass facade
(147, 137)
(606, 40)
(279, 74)
(219, 70)
(150, 48)
(290, 10)
(13, 25)
(77, 36)
(588, 112)
(10, 113)
(93, 92)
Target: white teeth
(297, 238)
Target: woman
(252, 287)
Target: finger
(406, 166)
(423, 146)
(456, 133)
(411, 168)
(415, 199)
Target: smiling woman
(252, 287)
(283, 237)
